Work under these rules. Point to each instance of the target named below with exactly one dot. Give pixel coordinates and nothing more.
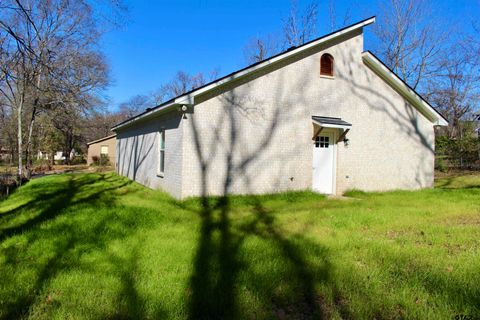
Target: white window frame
(160, 152)
(101, 149)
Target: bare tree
(261, 48)
(455, 91)
(298, 28)
(135, 105)
(181, 83)
(48, 58)
(409, 41)
(332, 13)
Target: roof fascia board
(395, 82)
(278, 58)
(101, 139)
(189, 99)
(146, 115)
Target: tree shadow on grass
(53, 203)
(220, 258)
(215, 264)
(224, 164)
(56, 223)
(452, 183)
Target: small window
(326, 65)
(322, 142)
(104, 150)
(161, 152)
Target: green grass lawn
(98, 246)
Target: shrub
(8, 182)
(42, 167)
(78, 159)
(440, 164)
(95, 160)
(461, 153)
(103, 160)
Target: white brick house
(325, 116)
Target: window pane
(162, 161)
(161, 151)
(162, 140)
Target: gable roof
(102, 139)
(189, 97)
(369, 58)
(403, 88)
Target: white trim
(328, 125)
(102, 149)
(278, 58)
(327, 77)
(395, 82)
(334, 175)
(160, 138)
(189, 98)
(334, 165)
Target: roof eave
(102, 139)
(400, 86)
(145, 115)
(285, 55)
(189, 98)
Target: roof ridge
(297, 49)
(101, 139)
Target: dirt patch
(394, 234)
(463, 220)
(303, 309)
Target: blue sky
(162, 37)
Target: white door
(323, 169)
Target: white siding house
(326, 116)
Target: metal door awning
(331, 122)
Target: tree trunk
(28, 166)
(19, 138)
(30, 129)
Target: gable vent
(326, 65)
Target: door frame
(334, 133)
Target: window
(104, 150)
(322, 142)
(326, 65)
(161, 152)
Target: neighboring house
(325, 116)
(57, 156)
(106, 146)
